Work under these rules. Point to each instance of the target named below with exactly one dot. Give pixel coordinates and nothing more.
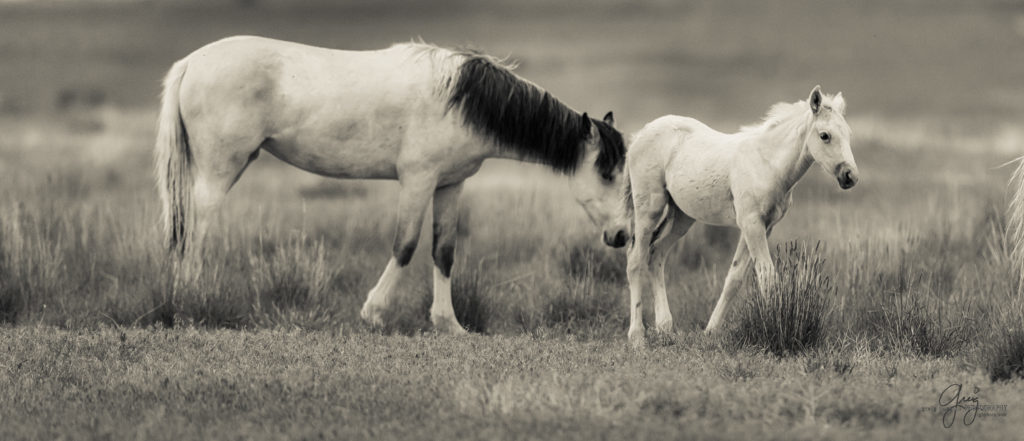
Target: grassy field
(279, 384)
(903, 283)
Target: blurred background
(934, 94)
(903, 62)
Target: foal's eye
(825, 137)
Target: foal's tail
(174, 165)
(1015, 224)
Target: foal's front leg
(755, 234)
(648, 209)
(413, 198)
(733, 282)
(446, 220)
(753, 243)
(675, 227)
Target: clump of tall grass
(578, 301)
(911, 305)
(791, 316)
(473, 308)
(32, 266)
(1005, 357)
(291, 287)
(908, 322)
(583, 295)
(589, 259)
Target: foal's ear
(839, 103)
(609, 119)
(586, 121)
(815, 100)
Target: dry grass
(912, 286)
(792, 316)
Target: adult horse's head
(596, 183)
(527, 123)
(829, 137)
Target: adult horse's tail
(174, 165)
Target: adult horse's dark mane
(523, 118)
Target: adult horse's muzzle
(846, 175)
(616, 240)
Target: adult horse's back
(424, 115)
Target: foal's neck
(785, 147)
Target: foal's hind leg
(413, 199)
(668, 236)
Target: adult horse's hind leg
(412, 205)
(446, 219)
(216, 168)
(667, 237)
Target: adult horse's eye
(825, 137)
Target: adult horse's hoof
(447, 324)
(372, 314)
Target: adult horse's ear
(815, 100)
(586, 121)
(609, 119)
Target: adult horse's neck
(784, 146)
(498, 152)
(521, 120)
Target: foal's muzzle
(846, 175)
(617, 240)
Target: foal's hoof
(372, 314)
(636, 338)
(447, 325)
(664, 327)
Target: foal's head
(595, 185)
(829, 137)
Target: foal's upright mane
(520, 117)
(779, 113)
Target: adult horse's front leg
(446, 220)
(412, 205)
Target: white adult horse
(681, 171)
(421, 114)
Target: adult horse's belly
(364, 147)
(334, 159)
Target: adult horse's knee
(403, 252)
(444, 258)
